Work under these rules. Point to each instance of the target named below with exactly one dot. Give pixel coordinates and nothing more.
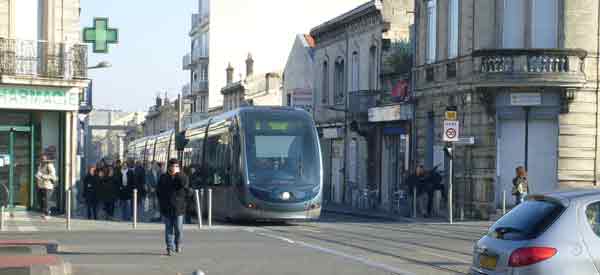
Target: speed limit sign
(451, 130)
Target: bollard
(209, 207)
(414, 212)
(69, 209)
(135, 208)
(2, 218)
(198, 208)
(503, 202)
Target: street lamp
(101, 65)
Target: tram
(262, 163)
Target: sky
(153, 38)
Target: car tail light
(530, 255)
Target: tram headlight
(286, 196)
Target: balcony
(199, 56)
(199, 86)
(54, 64)
(186, 90)
(199, 21)
(186, 62)
(529, 67)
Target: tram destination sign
(36, 98)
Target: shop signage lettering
(32, 98)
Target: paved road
(337, 244)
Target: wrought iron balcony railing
(43, 59)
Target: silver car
(554, 233)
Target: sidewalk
(24, 221)
(378, 214)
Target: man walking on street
(172, 189)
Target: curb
(34, 265)
(51, 246)
(14, 250)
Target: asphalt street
(337, 244)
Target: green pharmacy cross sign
(101, 35)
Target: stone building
(523, 75)
(162, 116)
(349, 53)
(197, 60)
(43, 72)
(298, 75)
(254, 89)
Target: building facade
(254, 89)
(523, 76)
(298, 75)
(197, 60)
(43, 72)
(348, 57)
(161, 117)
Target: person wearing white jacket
(46, 178)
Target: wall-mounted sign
(101, 35)
(34, 98)
(303, 98)
(390, 113)
(331, 133)
(525, 99)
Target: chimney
(229, 71)
(249, 65)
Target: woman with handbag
(46, 178)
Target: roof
(357, 12)
(572, 194)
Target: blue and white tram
(262, 163)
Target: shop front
(392, 124)
(36, 121)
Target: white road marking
(382, 266)
(27, 228)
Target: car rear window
(527, 221)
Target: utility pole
(178, 125)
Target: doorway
(16, 165)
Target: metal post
(209, 207)
(69, 209)
(198, 208)
(135, 192)
(2, 218)
(414, 212)
(503, 202)
(450, 179)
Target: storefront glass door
(16, 165)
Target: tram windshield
(281, 150)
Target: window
(432, 30)
(513, 29)
(527, 221)
(592, 213)
(355, 72)
(325, 84)
(541, 19)
(373, 68)
(545, 24)
(453, 19)
(289, 100)
(339, 81)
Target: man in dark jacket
(172, 191)
(140, 185)
(417, 183)
(90, 185)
